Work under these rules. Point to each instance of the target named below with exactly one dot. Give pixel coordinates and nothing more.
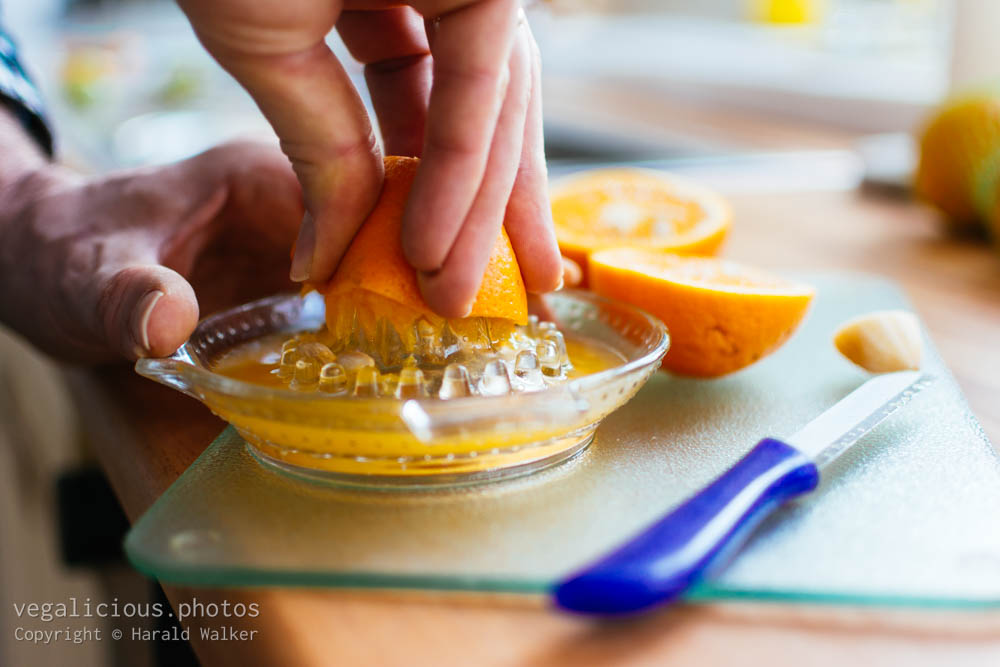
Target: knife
(666, 559)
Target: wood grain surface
(146, 435)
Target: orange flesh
(721, 316)
(608, 208)
(607, 214)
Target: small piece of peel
(884, 341)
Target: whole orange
(959, 152)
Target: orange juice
(340, 434)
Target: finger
(263, 206)
(333, 151)
(245, 255)
(529, 213)
(392, 44)
(243, 193)
(471, 47)
(317, 114)
(452, 290)
(572, 274)
(145, 310)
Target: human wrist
(25, 185)
(32, 251)
(26, 173)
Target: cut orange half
(722, 316)
(374, 272)
(628, 207)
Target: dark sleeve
(19, 94)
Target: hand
(117, 265)
(455, 81)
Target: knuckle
(474, 78)
(312, 155)
(456, 144)
(363, 147)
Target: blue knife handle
(666, 559)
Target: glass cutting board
(909, 516)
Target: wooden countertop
(146, 435)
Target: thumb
(145, 310)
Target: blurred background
(749, 95)
(128, 83)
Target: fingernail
(140, 320)
(561, 283)
(305, 246)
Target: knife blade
(666, 559)
(832, 433)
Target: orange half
(628, 207)
(722, 316)
(374, 264)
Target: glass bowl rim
(180, 363)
